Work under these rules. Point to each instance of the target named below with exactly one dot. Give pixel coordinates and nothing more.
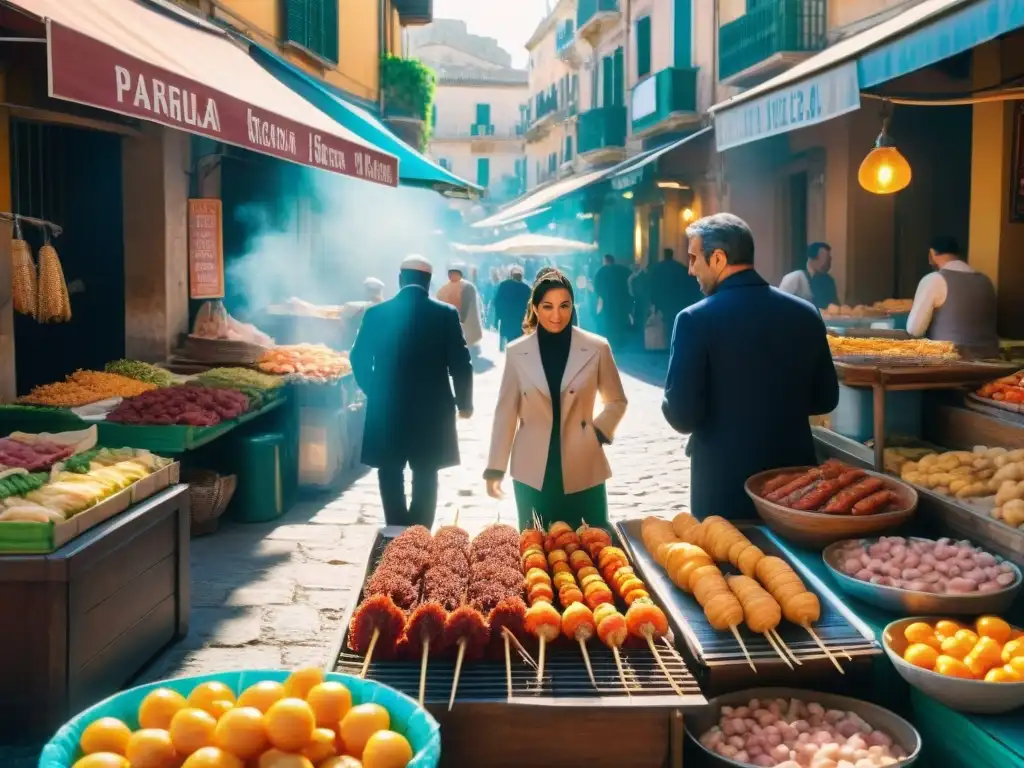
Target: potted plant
(408, 89)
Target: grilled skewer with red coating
(543, 622)
(377, 622)
(594, 539)
(578, 624)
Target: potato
(913, 477)
(910, 466)
(927, 462)
(1013, 512)
(982, 463)
(964, 457)
(1017, 454)
(963, 470)
(992, 453)
(957, 485)
(973, 490)
(1008, 472)
(947, 463)
(984, 474)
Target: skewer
(423, 669)
(508, 663)
(743, 646)
(824, 649)
(661, 663)
(509, 637)
(586, 660)
(786, 648)
(540, 661)
(455, 522)
(369, 652)
(622, 672)
(771, 642)
(458, 670)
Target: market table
(980, 741)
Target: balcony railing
(774, 27)
(590, 10)
(477, 130)
(668, 93)
(600, 129)
(565, 36)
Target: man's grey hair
(725, 232)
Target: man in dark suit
(748, 366)
(509, 305)
(409, 351)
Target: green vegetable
(239, 378)
(79, 463)
(135, 369)
(19, 485)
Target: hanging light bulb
(884, 170)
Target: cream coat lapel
(580, 352)
(531, 365)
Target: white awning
(530, 245)
(538, 199)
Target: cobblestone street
(268, 595)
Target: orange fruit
(921, 655)
(994, 627)
(967, 636)
(1016, 633)
(301, 681)
(108, 734)
(342, 761)
(321, 746)
(275, 758)
(918, 632)
(360, 723)
(955, 647)
(978, 664)
(102, 760)
(192, 729)
(152, 748)
(1014, 674)
(999, 675)
(242, 732)
(261, 695)
(159, 706)
(947, 665)
(1012, 650)
(1017, 664)
(205, 694)
(387, 749)
(330, 702)
(946, 628)
(218, 708)
(212, 757)
(290, 724)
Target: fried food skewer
(578, 624)
(613, 631)
(786, 648)
(369, 652)
(824, 650)
(771, 641)
(508, 662)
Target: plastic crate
(260, 464)
(854, 416)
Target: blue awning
(828, 84)
(413, 168)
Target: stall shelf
(981, 741)
(80, 623)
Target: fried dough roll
(760, 610)
(799, 605)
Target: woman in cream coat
(556, 443)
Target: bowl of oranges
(973, 667)
(251, 719)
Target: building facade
(476, 131)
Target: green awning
(413, 168)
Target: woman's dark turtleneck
(554, 354)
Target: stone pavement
(270, 595)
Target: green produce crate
(26, 418)
(262, 492)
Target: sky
(511, 23)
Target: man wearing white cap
(374, 290)
(409, 352)
(509, 306)
(462, 295)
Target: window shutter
(607, 81)
(619, 93)
(483, 172)
(568, 149)
(643, 46)
(296, 21)
(329, 30)
(483, 114)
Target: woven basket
(209, 496)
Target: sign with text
(87, 71)
(797, 105)
(205, 250)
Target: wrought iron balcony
(593, 16)
(770, 39)
(601, 133)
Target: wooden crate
(79, 623)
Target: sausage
(794, 497)
(827, 489)
(843, 501)
(874, 503)
(778, 481)
(793, 485)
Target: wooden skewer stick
(509, 637)
(423, 669)
(508, 664)
(622, 672)
(458, 671)
(743, 646)
(455, 522)
(369, 651)
(586, 660)
(786, 648)
(824, 649)
(771, 642)
(540, 661)
(661, 663)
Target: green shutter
(682, 33)
(607, 81)
(568, 148)
(619, 94)
(483, 114)
(593, 88)
(643, 46)
(433, 115)
(296, 21)
(315, 25)
(483, 171)
(329, 30)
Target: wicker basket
(210, 494)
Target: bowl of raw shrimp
(924, 576)
(794, 728)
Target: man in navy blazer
(748, 366)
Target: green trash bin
(263, 493)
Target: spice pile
(260, 388)
(83, 388)
(147, 372)
(189, 405)
(306, 362)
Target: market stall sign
(90, 72)
(808, 102)
(205, 249)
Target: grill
(565, 683)
(841, 631)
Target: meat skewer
(543, 621)
(786, 648)
(578, 624)
(612, 631)
(645, 619)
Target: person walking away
(407, 355)
(509, 306)
(462, 295)
(813, 283)
(545, 419)
(352, 312)
(640, 290)
(748, 366)
(672, 289)
(955, 303)
(614, 303)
